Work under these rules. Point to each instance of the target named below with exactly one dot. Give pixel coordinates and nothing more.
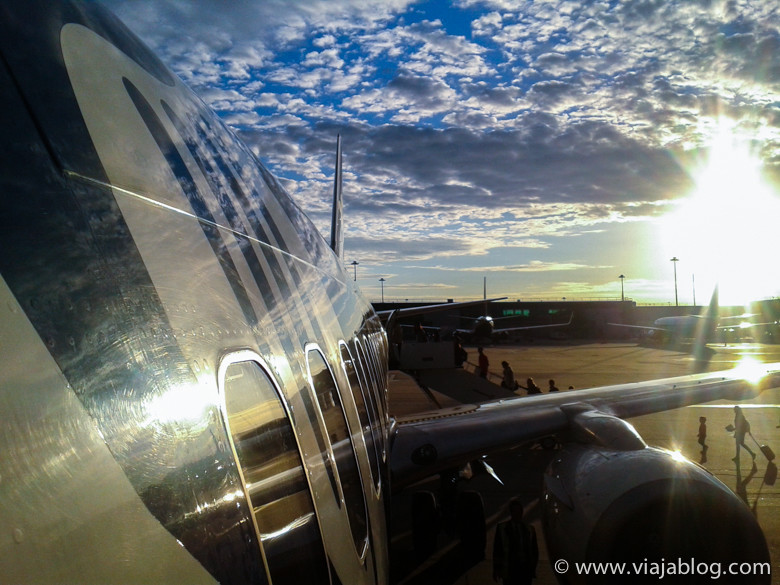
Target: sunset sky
(549, 146)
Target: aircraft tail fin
(484, 293)
(714, 310)
(705, 331)
(336, 227)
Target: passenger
(515, 549)
(703, 433)
(531, 388)
(460, 354)
(509, 377)
(703, 439)
(419, 333)
(483, 363)
(553, 388)
(741, 428)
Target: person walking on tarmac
(741, 428)
(703, 433)
(515, 549)
(531, 387)
(483, 363)
(509, 377)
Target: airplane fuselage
(483, 327)
(687, 326)
(201, 352)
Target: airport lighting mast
(622, 295)
(675, 259)
(382, 283)
(354, 266)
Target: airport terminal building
(590, 320)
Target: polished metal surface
(165, 250)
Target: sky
(549, 146)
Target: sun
(725, 231)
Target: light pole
(354, 266)
(675, 259)
(382, 282)
(622, 295)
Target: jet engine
(618, 511)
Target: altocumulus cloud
(459, 122)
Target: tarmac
(583, 366)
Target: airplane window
(373, 343)
(348, 365)
(381, 350)
(368, 379)
(273, 476)
(332, 410)
(379, 373)
(370, 363)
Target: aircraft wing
(641, 327)
(430, 442)
(744, 325)
(422, 310)
(528, 327)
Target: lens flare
(723, 231)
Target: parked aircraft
(708, 326)
(482, 328)
(194, 390)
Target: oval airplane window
(273, 475)
(374, 371)
(364, 369)
(348, 365)
(380, 364)
(335, 420)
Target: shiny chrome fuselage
(150, 267)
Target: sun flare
(725, 230)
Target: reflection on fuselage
(332, 412)
(362, 398)
(273, 476)
(175, 287)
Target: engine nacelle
(651, 509)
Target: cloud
(533, 266)
(375, 250)
(534, 123)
